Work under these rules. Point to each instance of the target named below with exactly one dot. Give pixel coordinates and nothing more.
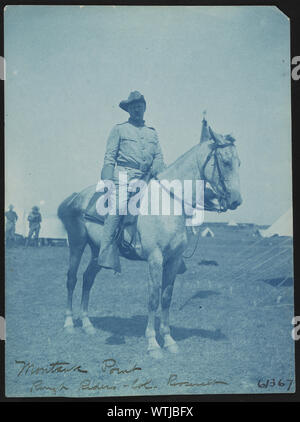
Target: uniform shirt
(11, 216)
(134, 146)
(34, 219)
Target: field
(231, 316)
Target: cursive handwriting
(90, 385)
(135, 385)
(172, 381)
(39, 386)
(147, 385)
(110, 366)
(29, 368)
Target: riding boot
(182, 267)
(109, 254)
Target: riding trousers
(111, 223)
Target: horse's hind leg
(88, 281)
(76, 251)
(169, 276)
(155, 262)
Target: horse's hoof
(155, 353)
(172, 348)
(90, 330)
(69, 329)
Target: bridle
(222, 197)
(224, 194)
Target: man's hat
(35, 208)
(133, 96)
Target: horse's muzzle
(236, 202)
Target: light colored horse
(163, 237)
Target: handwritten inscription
(29, 368)
(273, 382)
(172, 381)
(116, 378)
(136, 384)
(147, 385)
(40, 386)
(111, 366)
(95, 386)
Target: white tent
(207, 233)
(282, 227)
(232, 223)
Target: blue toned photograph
(148, 201)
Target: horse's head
(221, 172)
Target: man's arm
(112, 148)
(158, 164)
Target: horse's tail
(68, 209)
(70, 212)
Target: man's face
(136, 110)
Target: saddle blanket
(127, 237)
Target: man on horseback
(132, 147)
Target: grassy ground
(231, 316)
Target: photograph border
(292, 10)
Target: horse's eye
(227, 163)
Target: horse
(163, 238)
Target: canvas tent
(281, 227)
(207, 233)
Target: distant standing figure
(11, 219)
(35, 220)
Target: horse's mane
(178, 160)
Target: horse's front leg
(155, 262)
(169, 276)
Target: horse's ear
(216, 137)
(230, 138)
(205, 135)
(221, 139)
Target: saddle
(127, 237)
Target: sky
(68, 67)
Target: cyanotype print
(149, 240)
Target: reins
(195, 247)
(202, 175)
(213, 152)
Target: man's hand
(100, 186)
(107, 172)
